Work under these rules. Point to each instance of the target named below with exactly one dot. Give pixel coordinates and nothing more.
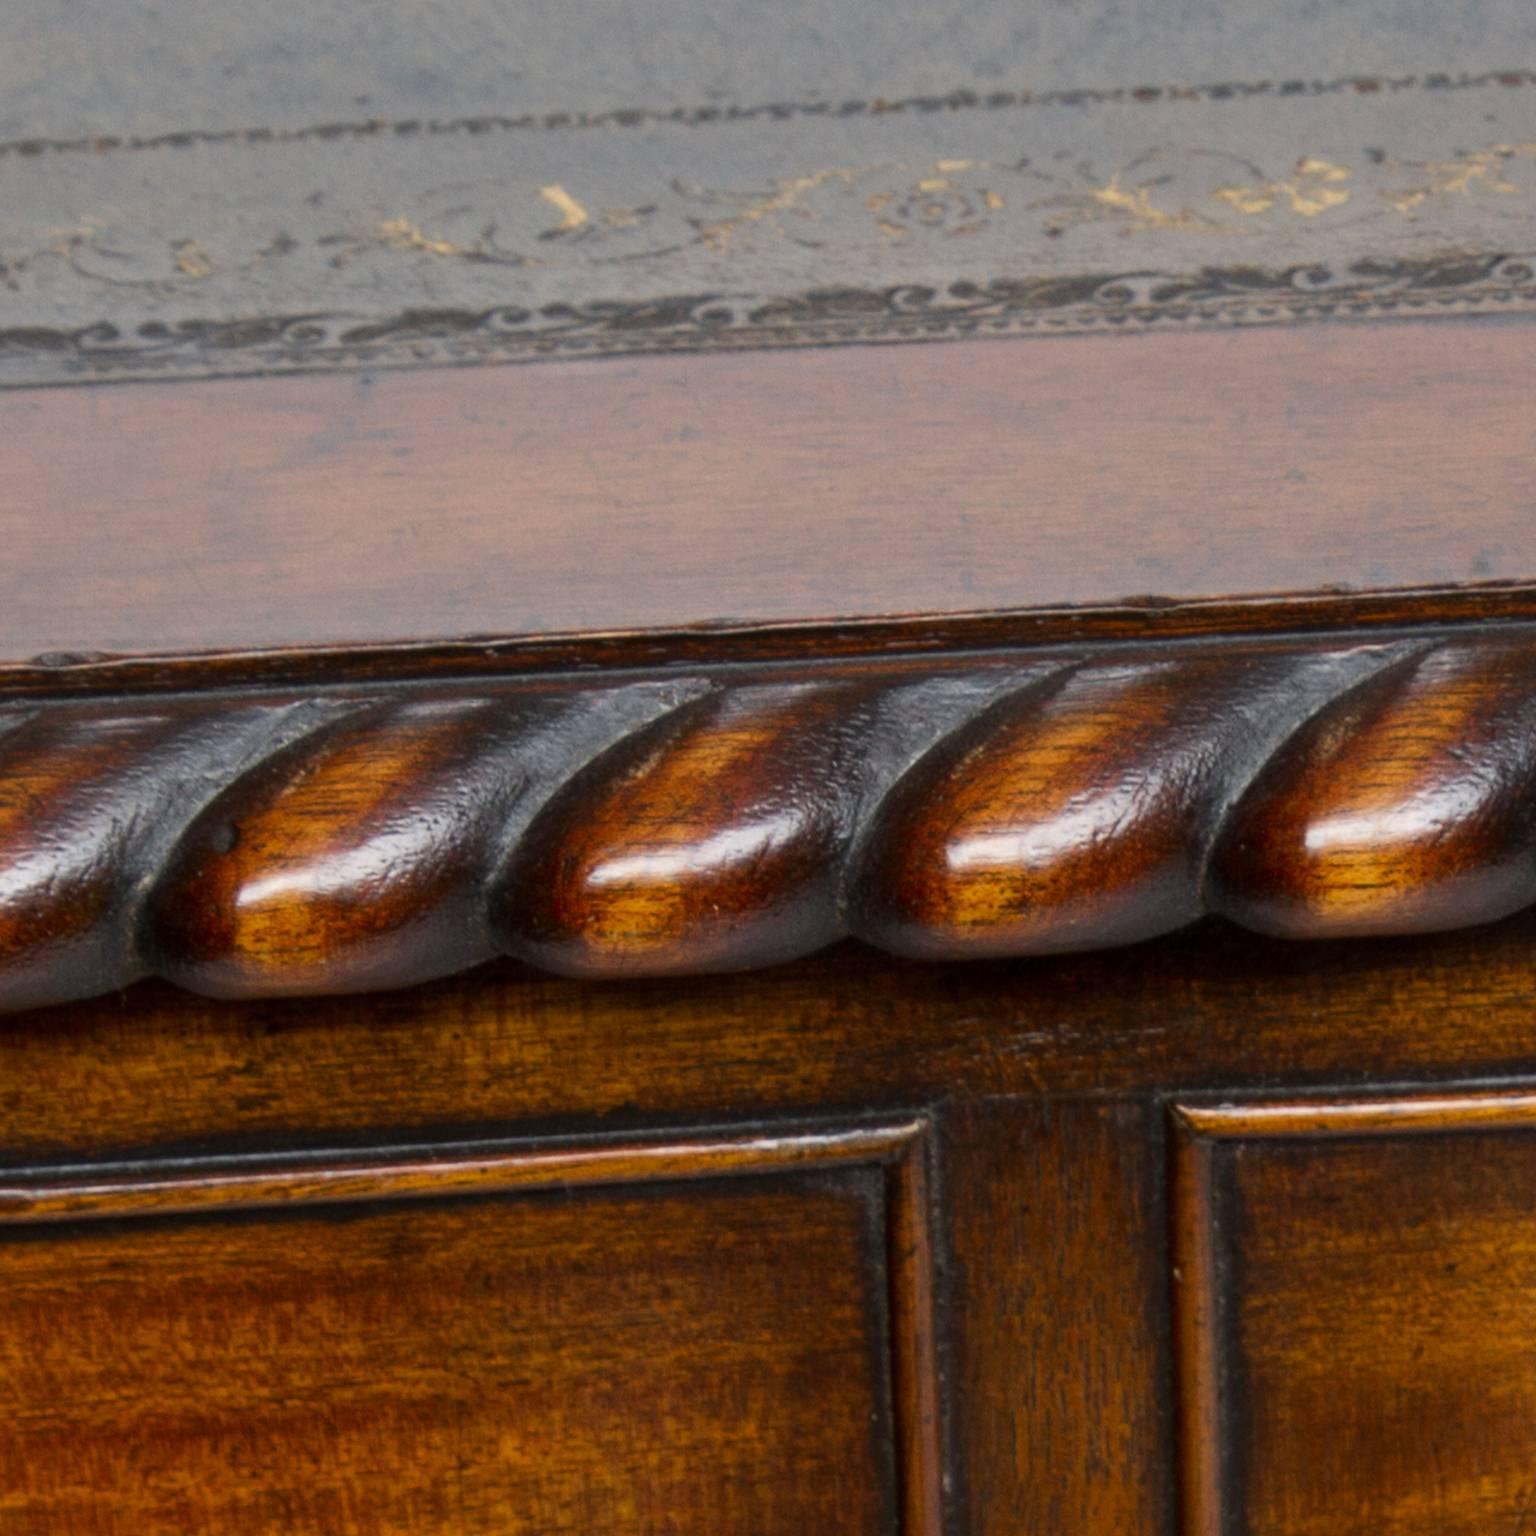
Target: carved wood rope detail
(263, 845)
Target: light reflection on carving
(666, 863)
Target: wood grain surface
(449, 1170)
(763, 488)
(1049, 1268)
(624, 1360)
(1356, 1314)
(511, 1047)
(1010, 803)
(861, 1243)
(1055, 1215)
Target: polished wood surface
(1057, 1213)
(643, 1361)
(1372, 821)
(767, 771)
(997, 1125)
(676, 822)
(462, 1170)
(1208, 1008)
(1356, 1283)
(665, 493)
(497, 1076)
(448, 1206)
(1042, 1187)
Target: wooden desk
(752, 935)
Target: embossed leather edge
(1496, 282)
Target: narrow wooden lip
(327, 1179)
(1196, 1298)
(1381, 1114)
(912, 1273)
(941, 635)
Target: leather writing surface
(218, 187)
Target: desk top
(634, 664)
(1065, 481)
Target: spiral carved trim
(267, 846)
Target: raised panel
(516, 1343)
(1356, 1294)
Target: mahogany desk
(874, 890)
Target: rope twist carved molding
(1017, 805)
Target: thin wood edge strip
(27, 1200)
(1369, 1115)
(1197, 1347)
(948, 634)
(914, 1317)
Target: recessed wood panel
(695, 1357)
(1357, 1287)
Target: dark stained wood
(1051, 1270)
(714, 838)
(671, 823)
(255, 1184)
(689, 1358)
(1053, 1267)
(1210, 1008)
(621, 671)
(1079, 809)
(922, 1462)
(1397, 805)
(409, 798)
(486, 853)
(820, 485)
(1357, 1288)
(1060, 1376)
(1467, 607)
